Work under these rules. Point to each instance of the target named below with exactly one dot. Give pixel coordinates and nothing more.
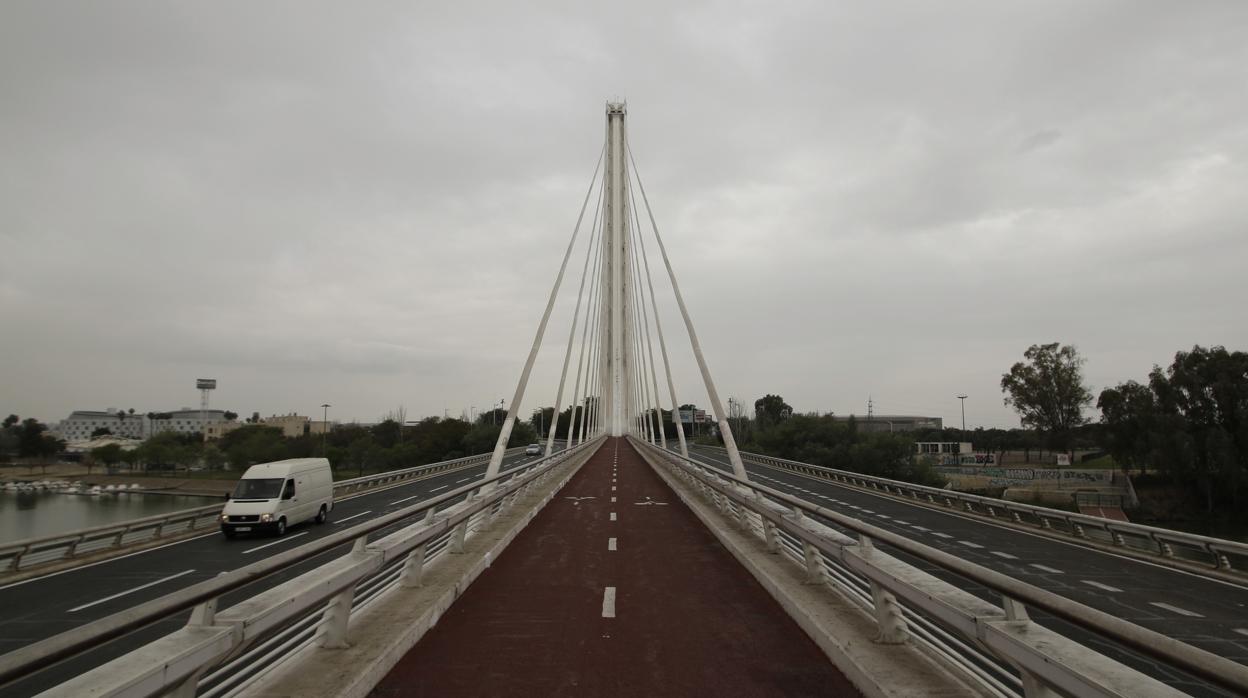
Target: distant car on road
(533, 450)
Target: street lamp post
(963, 399)
(325, 430)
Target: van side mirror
(227, 496)
(288, 495)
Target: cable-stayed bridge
(624, 561)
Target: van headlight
(225, 518)
(266, 518)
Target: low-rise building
(81, 424)
(292, 425)
(186, 421)
(894, 422)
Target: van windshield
(258, 488)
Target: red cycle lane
(685, 617)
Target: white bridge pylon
(620, 392)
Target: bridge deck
(686, 618)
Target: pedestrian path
(615, 589)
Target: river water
(39, 514)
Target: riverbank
(203, 484)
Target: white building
(80, 424)
(186, 421)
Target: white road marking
(612, 488)
(1242, 631)
(884, 516)
(130, 591)
(283, 540)
(353, 516)
(439, 488)
(969, 544)
(919, 528)
(406, 499)
(464, 480)
(903, 523)
(608, 602)
(613, 516)
(1007, 556)
(613, 500)
(942, 535)
(1175, 609)
(610, 544)
(1044, 568)
(1102, 587)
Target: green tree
(254, 443)
(11, 420)
(1129, 415)
(1047, 390)
(771, 409)
(109, 455)
(214, 457)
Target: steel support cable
(725, 430)
(645, 314)
(643, 395)
(649, 348)
(658, 327)
(590, 318)
(576, 314)
(591, 359)
(593, 377)
(501, 446)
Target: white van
(274, 496)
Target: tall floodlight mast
(619, 299)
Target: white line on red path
(608, 602)
(610, 544)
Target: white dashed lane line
(1007, 556)
(969, 544)
(1242, 631)
(131, 591)
(1045, 568)
(353, 516)
(608, 602)
(611, 544)
(941, 535)
(276, 542)
(1102, 587)
(1175, 609)
(613, 516)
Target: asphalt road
(1201, 611)
(45, 606)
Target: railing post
(888, 617)
(1032, 686)
(336, 619)
(203, 615)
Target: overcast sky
(365, 203)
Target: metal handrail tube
(37, 656)
(1193, 540)
(1206, 665)
(23, 548)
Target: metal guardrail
(1215, 553)
(176, 661)
(1044, 658)
(23, 554)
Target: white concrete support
(888, 616)
(500, 447)
(615, 235)
(337, 617)
(730, 443)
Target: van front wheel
(321, 515)
(281, 526)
